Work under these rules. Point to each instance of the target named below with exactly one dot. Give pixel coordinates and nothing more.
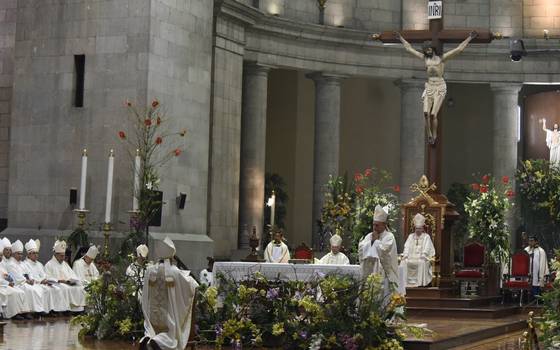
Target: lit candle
(272, 209)
(109, 187)
(83, 180)
(136, 192)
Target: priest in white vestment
(381, 244)
(167, 302)
(206, 276)
(6, 252)
(12, 300)
(85, 267)
(136, 269)
(539, 266)
(59, 272)
(277, 251)
(335, 257)
(418, 255)
(59, 301)
(37, 297)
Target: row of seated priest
(415, 261)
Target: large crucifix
(433, 39)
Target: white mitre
(17, 247)
(142, 250)
(92, 252)
(6, 243)
(336, 240)
(31, 246)
(59, 247)
(166, 248)
(380, 214)
(419, 220)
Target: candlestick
(83, 180)
(272, 209)
(109, 187)
(106, 229)
(136, 193)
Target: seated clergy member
(417, 255)
(58, 271)
(13, 302)
(335, 257)
(277, 251)
(85, 267)
(37, 296)
(6, 252)
(58, 296)
(136, 269)
(167, 302)
(539, 265)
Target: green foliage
(457, 195)
(549, 326)
(322, 313)
(78, 238)
(486, 207)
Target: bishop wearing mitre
(335, 256)
(85, 267)
(418, 254)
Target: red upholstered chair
(519, 277)
(473, 269)
(302, 254)
(549, 281)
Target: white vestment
(539, 265)
(167, 302)
(417, 255)
(553, 142)
(334, 259)
(36, 296)
(86, 273)
(386, 249)
(206, 277)
(13, 300)
(277, 253)
(369, 258)
(61, 271)
(59, 297)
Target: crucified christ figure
(435, 87)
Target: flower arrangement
(348, 206)
(549, 325)
(322, 313)
(486, 207)
(538, 184)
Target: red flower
(177, 152)
(485, 179)
(367, 172)
(159, 140)
(475, 187)
(483, 189)
(155, 103)
(158, 120)
(505, 179)
(510, 193)
(397, 188)
(148, 122)
(357, 177)
(122, 135)
(359, 189)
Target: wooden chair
(474, 267)
(302, 254)
(519, 276)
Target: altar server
(59, 301)
(277, 251)
(167, 302)
(539, 265)
(418, 255)
(85, 267)
(58, 271)
(335, 257)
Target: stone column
(505, 128)
(413, 136)
(253, 151)
(327, 140)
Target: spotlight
(517, 50)
(546, 34)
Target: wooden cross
(438, 37)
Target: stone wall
(539, 15)
(7, 44)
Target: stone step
(488, 312)
(431, 292)
(450, 302)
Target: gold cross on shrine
(423, 187)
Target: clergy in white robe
(37, 297)
(335, 257)
(12, 300)
(59, 300)
(207, 276)
(59, 272)
(167, 302)
(6, 252)
(85, 267)
(539, 265)
(277, 251)
(136, 269)
(418, 255)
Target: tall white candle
(272, 209)
(83, 180)
(136, 192)
(109, 187)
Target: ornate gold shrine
(440, 215)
